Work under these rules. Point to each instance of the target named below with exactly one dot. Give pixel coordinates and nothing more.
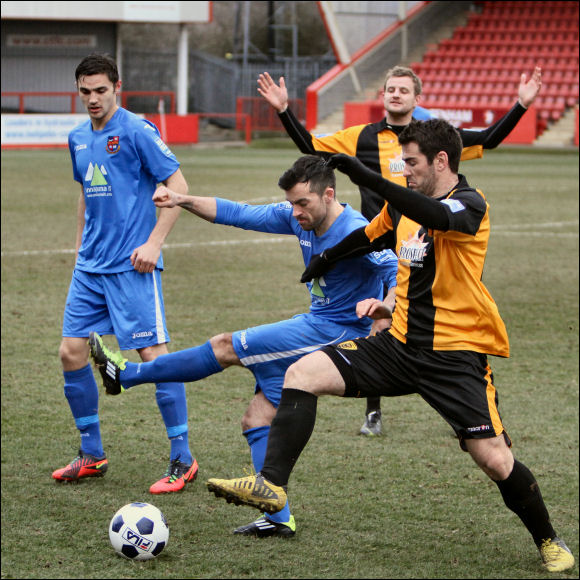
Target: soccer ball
(139, 531)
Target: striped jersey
(442, 303)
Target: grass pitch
(407, 505)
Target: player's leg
(188, 365)
(289, 433)
(373, 424)
(85, 307)
(267, 351)
(521, 494)
(136, 308)
(350, 369)
(460, 386)
(172, 403)
(255, 428)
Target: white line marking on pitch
(500, 230)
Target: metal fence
(215, 83)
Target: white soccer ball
(139, 531)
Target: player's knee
(73, 354)
(259, 413)
(497, 463)
(498, 468)
(296, 377)
(223, 349)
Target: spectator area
(482, 62)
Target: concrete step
(560, 133)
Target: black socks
(289, 434)
(521, 494)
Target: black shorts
(458, 384)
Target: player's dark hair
(432, 137)
(309, 168)
(96, 64)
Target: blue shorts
(128, 304)
(269, 350)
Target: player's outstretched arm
(491, 137)
(276, 95)
(204, 207)
(529, 88)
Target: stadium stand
(482, 61)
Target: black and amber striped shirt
(377, 146)
(442, 303)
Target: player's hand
(276, 95)
(375, 309)
(165, 197)
(318, 266)
(350, 166)
(529, 89)
(145, 257)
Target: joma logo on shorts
(141, 334)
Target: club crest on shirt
(113, 144)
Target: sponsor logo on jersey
(97, 186)
(306, 243)
(317, 295)
(397, 166)
(113, 145)
(413, 250)
(81, 147)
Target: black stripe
(421, 312)
(367, 151)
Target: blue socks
(82, 394)
(258, 441)
(173, 407)
(184, 366)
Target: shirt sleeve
(71, 147)
(340, 142)
(273, 218)
(465, 209)
(388, 263)
(491, 137)
(157, 158)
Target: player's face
(99, 96)
(308, 208)
(399, 96)
(421, 176)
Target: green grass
(407, 505)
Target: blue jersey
(334, 296)
(119, 168)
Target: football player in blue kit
(312, 213)
(119, 159)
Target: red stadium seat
(484, 58)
